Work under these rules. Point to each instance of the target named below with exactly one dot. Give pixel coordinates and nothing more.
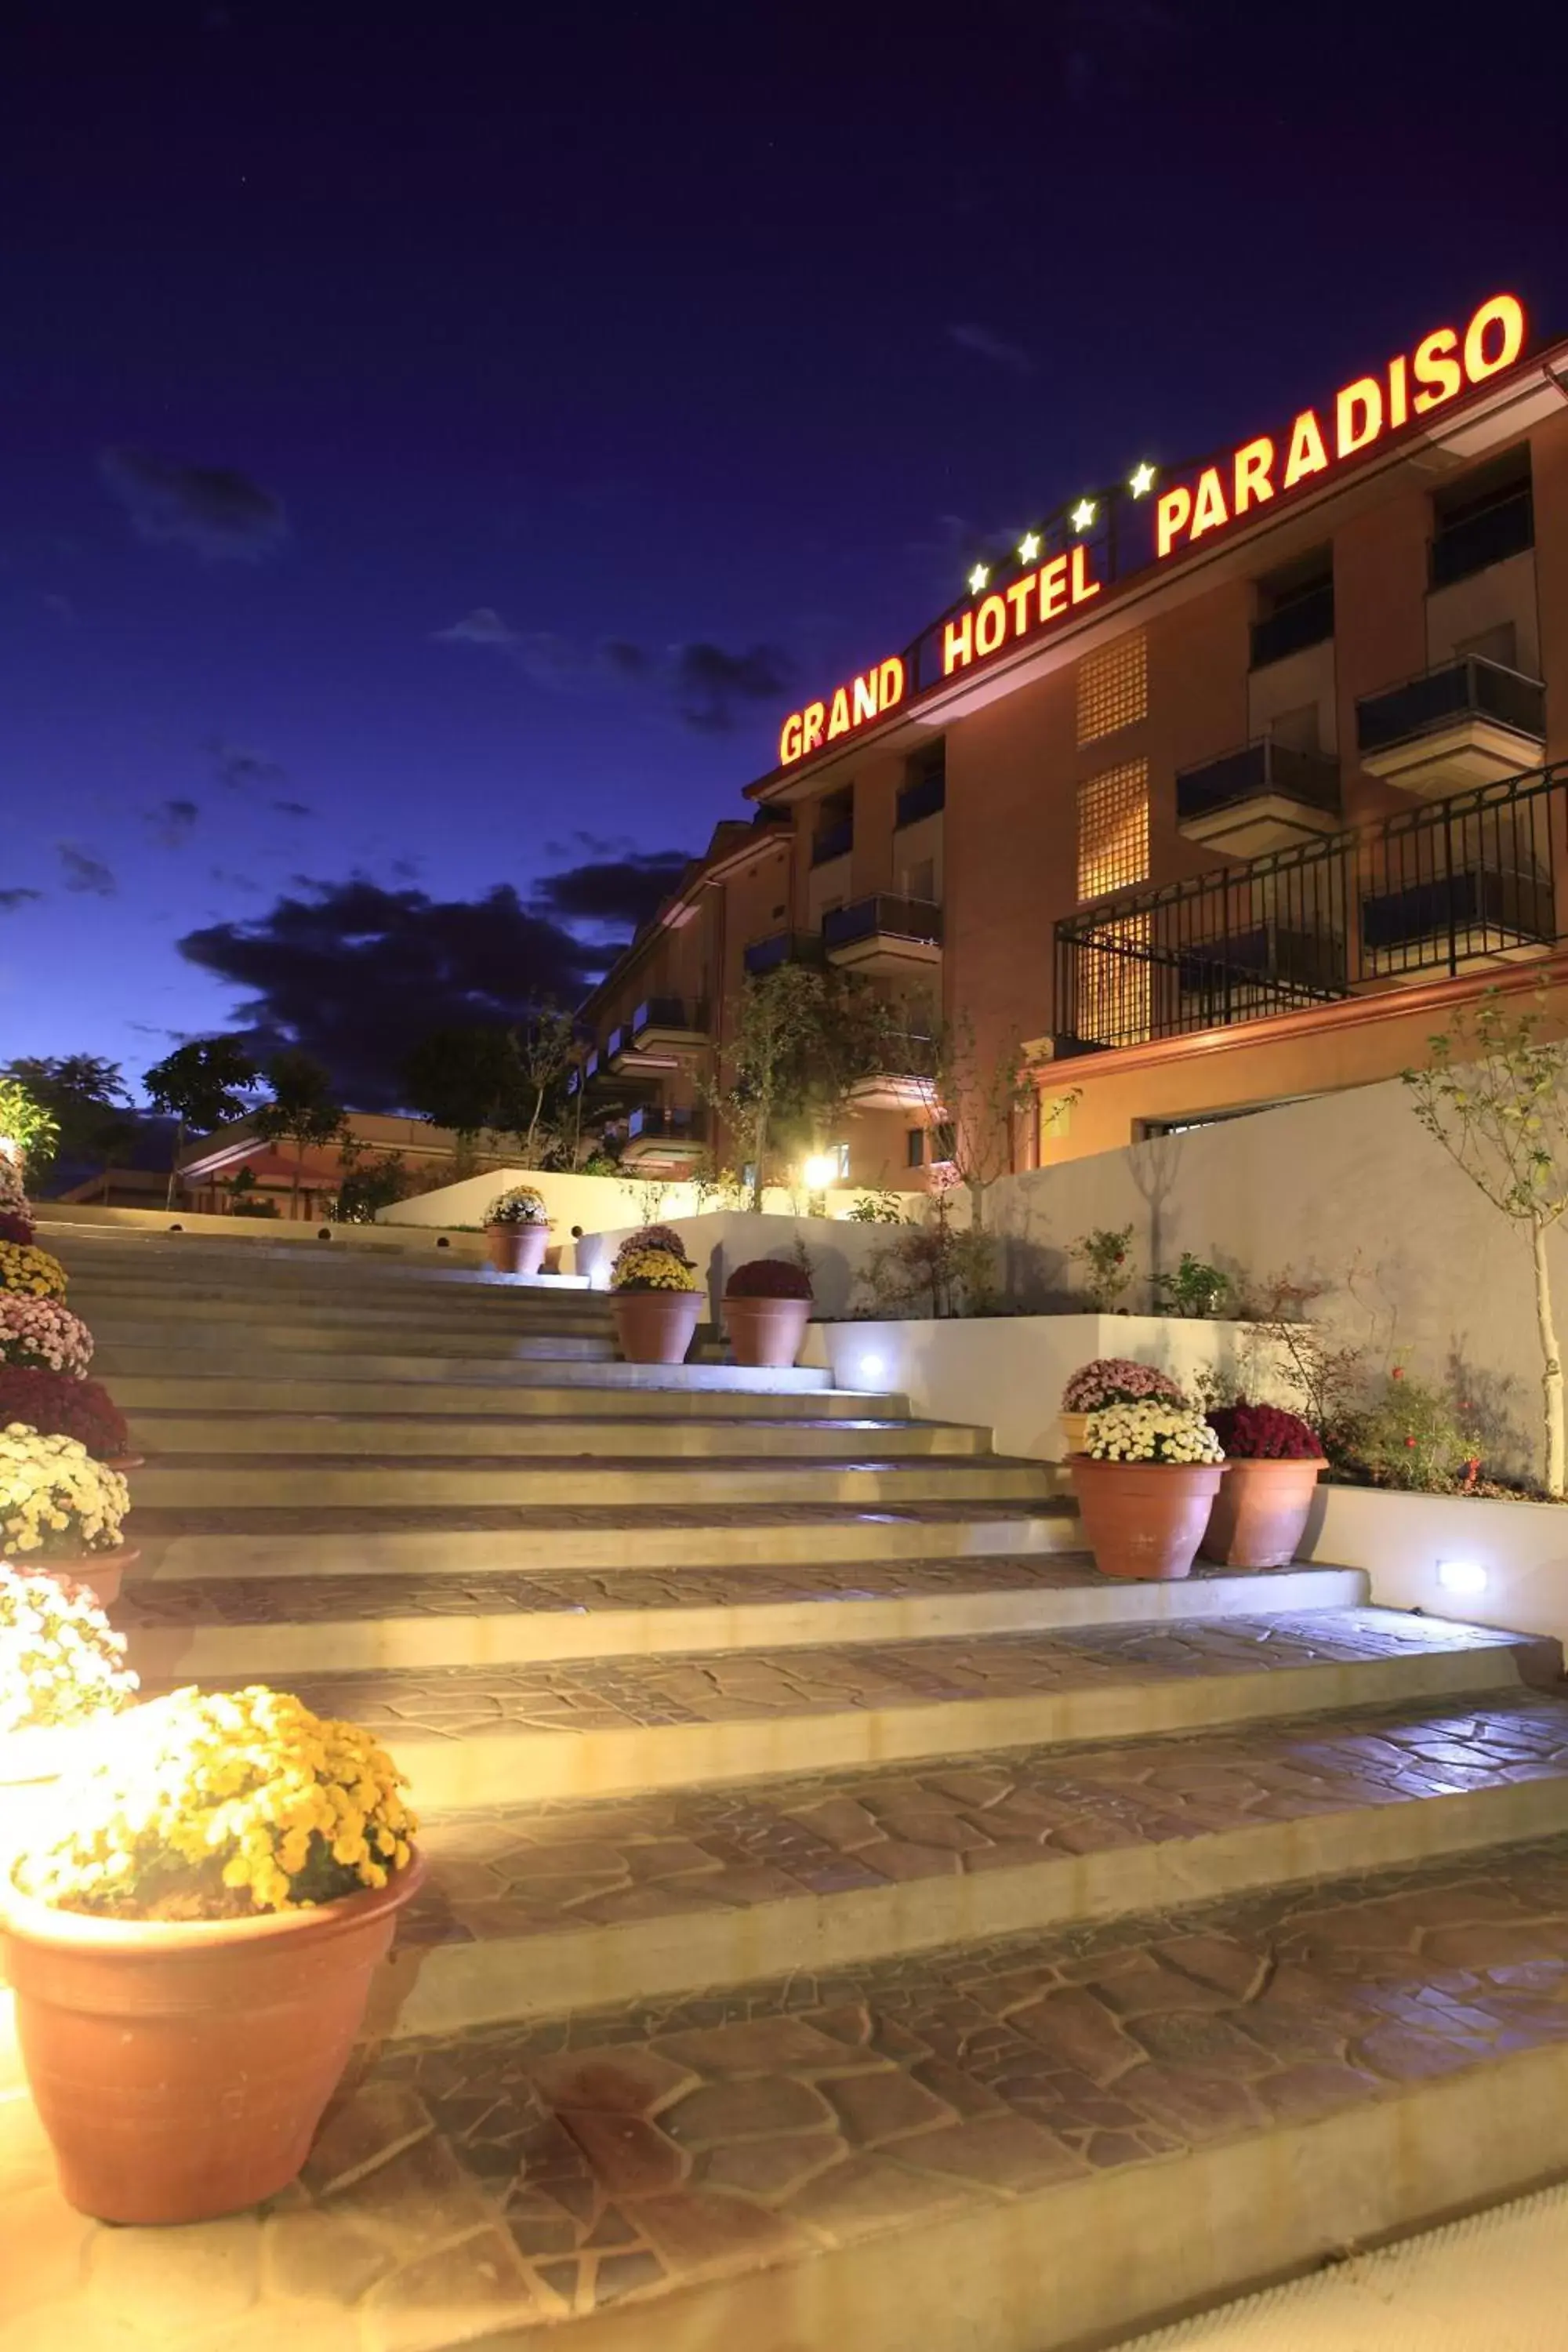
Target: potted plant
(1259, 1515)
(517, 1229)
(43, 1333)
(16, 1225)
(767, 1304)
(192, 1945)
(655, 1303)
(60, 1405)
(1145, 1484)
(61, 1670)
(1111, 1380)
(30, 1272)
(60, 1507)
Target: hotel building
(1224, 787)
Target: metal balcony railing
(1439, 888)
(654, 1124)
(922, 796)
(1468, 688)
(832, 841)
(1307, 620)
(667, 1013)
(882, 916)
(1469, 545)
(1265, 766)
(782, 947)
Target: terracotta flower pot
(1259, 1514)
(1145, 1519)
(102, 1572)
(123, 1462)
(1075, 1433)
(656, 1327)
(517, 1249)
(766, 1331)
(181, 2070)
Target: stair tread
(829, 1424)
(553, 1867)
(780, 2122)
(410, 1708)
(152, 1521)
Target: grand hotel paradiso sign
(1089, 539)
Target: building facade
(1224, 787)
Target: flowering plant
(30, 1271)
(57, 1406)
(59, 1663)
(12, 1196)
(522, 1206)
(54, 1500)
(42, 1332)
(769, 1277)
(14, 1226)
(648, 1237)
(1265, 1432)
(652, 1269)
(1151, 1432)
(1116, 1380)
(219, 1804)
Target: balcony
(780, 947)
(1471, 722)
(832, 841)
(668, 1138)
(1306, 620)
(922, 796)
(1266, 796)
(668, 1024)
(1472, 542)
(1455, 886)
(883, 934)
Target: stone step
(231, 1345)
(158, 1433)
(457, 1388)
(500, 1311)
(177, 1264)
(479, 1735)
(549, 1383)
(272, 1628)
(468, 1541)
(535, 1912)
(232, 1482)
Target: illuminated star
(1083, 514)
(1144, 479)
(1028, 547)
(977, 579)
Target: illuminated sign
(1439, 368)
(1443, 365)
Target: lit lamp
(820, 1170)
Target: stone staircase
(849, 1917)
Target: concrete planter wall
(1404, 1540)
(1007, 1372)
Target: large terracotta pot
(1259, 1514)
(1075, 1433)
(181, 2070)
(1145, 1519)
(656, 1327)
(766, 1331)
(517, 1249)
(102, 1572)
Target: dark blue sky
(438, 439)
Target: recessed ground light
(872, 1368)
(1461, 1576)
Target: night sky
(438, 440)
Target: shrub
(55, 1501)
(16, 1227)
(59, 1406)
(648, 1237)
(1195, 1288)
(1265, 1432)
(30, 1272)
(1107, 1251)
(1117, 1379)
(259, 1207)
(769, 1277)
(219, 1804)
(59, 1663)
(41, 1332)
(1151, 1432)
(1411, 1436)
(652, 1269)
(522, 1206)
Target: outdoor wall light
(820, 1170)
(1461, 1576)
(872, 1369)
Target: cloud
(406, 869)
(10, 900)
(984, 345)
(172, 821)
(622, 891)
(234, 765)
(229, 880)
(293, 808)
(356, 973)
(482, 626)
(215, 511)
(708, 683)
(86, 874)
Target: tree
(304, 1109)
(1495, 1096)
(27, 1125)
(973, 1096)
(799, 1040)
(533, 1104)
(86, 1097)
(199, 1085)
(457, 1078)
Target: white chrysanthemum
(1151, 1432)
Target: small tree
(533, 1098)
(199, 1085)
(1495, 1097)
(799, 1040)
(457, 1078)
(29, 1126)
(86, 1097)
(973, 1096)
(304, 1109)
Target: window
(918, 881)
(1484, 518)
(1113, 829)
(923, 792)
(835, 833)
(915, 1147)
(1113, 687)
(1295, 608)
